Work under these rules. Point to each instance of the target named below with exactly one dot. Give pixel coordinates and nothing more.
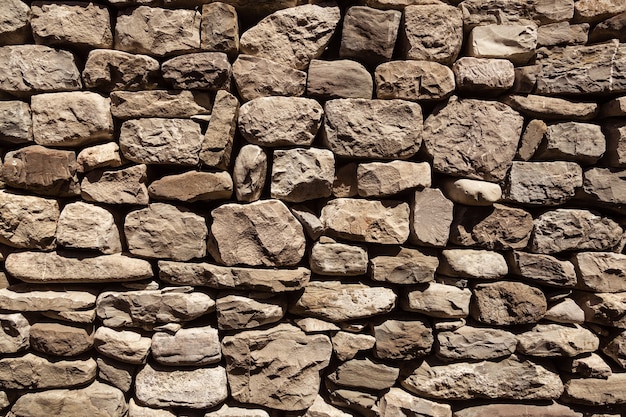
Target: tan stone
(195, 346)
(261, 77)
(511, 410)
(438, 300)
(109, 70)
(364, 374)
(515, 42)
(28, 221)
(552, 108)
(158, 103)
(414, 80)
(475, 343)
(611, 28)
(226, 411)
(192, 186)
(337, 259)
(60, 339)
(472, 263)
(483, 74)
(543, 269)
(123, 345)
(14, 333)
(200, 71)
(341, 78)
(345, 184)
(600, 271)
(596, 391)
(543, 183)
(99, 156)
(472, 192)
(431, 218)
(346, 345)
(402, 340)
(36, 372)
(547, 340)
(531, 139)
(116, 373)
(595, 11)
(16, 125)
(505, 303)
(573, 141)
(121, 186)
(566, 311)
(481, 12)
(562, 33)
(217, 144)
(302, 174)
(605, 186)
(606, 309)
(15, 18)
(616, 349)
(219, 29)
(321, 408)
(381, 179)
(616, 142)
(310, 221)
(26, 297)
(86, 226)
(399, 403)
(249, 173)
(403, 266)
(246, 311)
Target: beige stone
(26, 297)
(126, 346)
(106, 155)
(219, 29)
(562, 33)
(158, 103)
(246, 311)
(116, 373)
(566, 311)
(217, 144)
(345, 184)
(573, 141)
(606, 309)
(16, 125)
(302, 174)
(475, 343)
(531, 139)
(15, 333)
(28, 221)
(483, 74)
(611, 28)
(547, 340)
(504, 303)
(402, 340)
(310, 221)
(543, 183)
(249, 173)
(340, 78)
(321, 408)
(511, 410)
(15, 17)
(438, 300)
(256, 77)
(481, 12)
(364, 374)
(193, 346)
(605, 186)
(36, 372)
(337, 259)
(600, 271)
(616, 350)
(472, 192)
(346, 345)
(58, 339)
(86, 226)
(397, 402)
(226, 411)
(200, 71)
(515, 42)
(543, 269)
(589, 366)
(403, 266)
(616, 142)
(414, 80)
(381, 179)
(596, 391)
(121, 186)
(473, 263)
(431, 218)
(109, 70)
(192, 186)
(552, 108)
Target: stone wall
(258, 208)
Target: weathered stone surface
(616, 142)
(219, 29)
(505, 303)
(108, 70)
(158, 386)
(16, 126)
(42, 171)
(25, 297)
(247, 311)
(573, 141)
(385, 222)
(614, 108)
(260, 233)
(607, 309)
(399, 403)
(369, 35)
(510, 378)
(432, 33)
(336, 302)
(364, 374)
(14, 333)
(414, 80)
(373, 129)
(531, 139)
(249, 173)
(605, 186)
(601, 271)
(156, 31)
(546, 340)
(472, 263)
(475, 343)
(526, 79)
(438, 300)
(345, 180)
(194, 346)
(261, 77)
(321, 409)
(346, 345)
(616, 349)
(543, 269)
(472, 192)
(515, 42)
(218, 139)
(566, 311)
(403, 266)
(612, 28)
(567, 229)
(562, 33)
(29, 69)
(72, 316)
(463, 137)
(226, 411)
(331, 258)
(121, 186)
(552, 108)
(36, 372)
(543, 183)
(158, 103)
(342, 78)
(116, 373)
(166, 231)
(81, 25)
(15, 18)
(58, 339)
(484, 75)
(274, 37)
(596, 391)
(310, 221)
(28, 221)
(481, 12)
(595, 11)
(313, 325)
(302, 174)
(588, 366)
(431, 218)
(136, 410)
(279, 367)
(85, 226)
(363, 403)
(381, 179)
(96, 400)
(99, 156)
(192, 186)
(222, 277)
(512, 410)
(123, 345)
(402, 339)
(200, 71)
(161, 141)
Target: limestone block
(562, 33)
(573, 141)
(249, 173)
(515, 42)
(596, 391)
(219, 29)
(121, 186)
(505, 303)
(473, 263)
(438, 300)
(58, 339)
(257, 77)
(109, 70)
(16, 126)
(36, 372)
(403, 266)
(603, 185)
(200, 71)
(595, 11)
(381, 179)
(472, 192)
(302, 174)
(547, 340)
(15, 333)
(543, 183)
(116, 373)
(126, 346)
(397, 402)
(566, 311)
(431, 218)
(28, 221)
(552, 108)
(475, 343)
(341, 78)
(402, 339)
(195, 346)
(346, 345)
(543, 269)
(99, 156)
(247, 311)
(600, 271)
(192, 186)
(15, 18)
(606, 309)
(414, 80)
(337, 259)
(364, 374)
(217, 144)
(483, 74)
(86, 226)
(158, 103)
(26, 297)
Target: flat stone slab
(36, 372)
(596, 391)
(26, 297)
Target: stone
(543, 183)
(195, 388)
(26, 297)
(432, 33)
(573, 141)
(217, 144)
(58, 339)
(510, 378)
(600, 271)
(16, 126)
(342, 78)
(605, 186)
(588, 366)
(567, 229)
(73, 24)
(192, 186)
(166, 231)
(302, 174)
(200, 71)
(606, 309)
(431, 218)
(364, 374)
(247, 311)
(123, 345)
(156, 31)
(381, 179)
(483, 75)
(310, 221)
(615, 143)
(106, 155)
(118, 374)
(30, 69)
(347, 345)
(275, 37)
(616, 350)
(257, 77)
(109, 70)
(611, 28)
(28, 221)
(380, 129)
(345, 184)
(531, 139)
(397, 402)
(161, 141)
(15, 17)
(254, 10)
(512, 410)
(36, 372)
(158, 103)
(614, 108)
(223, 277)
(475, 343)
(594, 11)
(71, 316)
(472, 192)
(562, 33)
(15, 333)
(86, 226)
(402, 340)
(403, 266)
(549, 340)
(278, 368)
(322, 409)
(120, 186)
(49, 172)
(260, 233)
(505, 303)
(543, 269)
(219, 29)
(280, 121)
(526, 79)
(464, 135)
(472, 263)
(363, 403)
(193, 346)
(337, 302)
(337, 259)
(96, 400)
(226, 411)
(596, 391)
(566, 311)
(369, 35)
(481, 12)
(551, 108)
(150, 308)
(249, 173)
(385, 222)
(438, 300)
(515, 42)
(313, 325)
(414, 81)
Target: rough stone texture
(438, 300)
(601, 271)
(122, 186)
(397, 402)
(543, 183)
(596, 391)
(123, 345)
(364, 374)
(99, 156)
(573, 141)
(194, 346)
(505, 303)
(403, 266)
(464, 135)
(36, 372)
(342, 78)
(472, 192)
(337, 259)
(118, 374)
(201, 71)
(158, 103)
(25, 297)
(192, 186)
(15, 333)
(219, 29)
(381, 179)
(279, 367)
(28, 221)
(531, 139)
(249, 173)
(109, 70)
(481, 12)
(257, 77)
(272, 37)
(612, 28)
(484, 75)
(431, 218)
(475, 343)
(346, 345)
(218, 139)
(310, 221)
(616, 349)
(380, 129)
(302, 174)
(16, 125)
(472, 263)
(515, 42)
(604, 186)
(552, 108)
(607, 309)
(86, 226)
(414, 80)
(58, 339)
(247, 311)
(14, 26)
(543, 269)
(595, 11)
(589, 366)
(616, 142)
(566, 311)
(546, 340)
(322, 409)
(402, 340)
(512, 410)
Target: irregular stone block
(605, 186)
(547, 340)
(397, 402)
(71, 316)
(15, 27)
(322, 409)
(438, 300)
(473, 138)
(337, 259)
(25, 297)
(86, 226)
(472, 263)
(123, 345)
(589, 366)
(249, 173)
(342, 78)
(372, 129)
(219, 29)
(310, 221)
(194, 346)
(201, 71)
(28, 221)
(402, 340)
(562, 33)
(515, 42)
(543, 269)
(543, 183)
(606, 309)
(276, 36)
(472, 192)
(36, 372)
(238, 311)
(531, 139)
(566, 311)
(612, 28)
(475, 343)
(505, 303)
(99, 156)
(511, 410)
(594, 11)
(596, 391)
(109, 70)
(403, 266)
(573, 141)
(16, 125)
(58, 339)
(346, 345)
(431, 218)
(363, 403)
(600, 271)
(118, 374)
(158, 103)
(217, 144)
(482, 12)
(122, 186)
(365, 374)
(551, 108)
(166, 231)
(616, 349)
(302, 174)
(414, 81)
(14, 333)
(381, 179)
(616, 142)
(261, 77)
(192, 186)
(483, 75)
